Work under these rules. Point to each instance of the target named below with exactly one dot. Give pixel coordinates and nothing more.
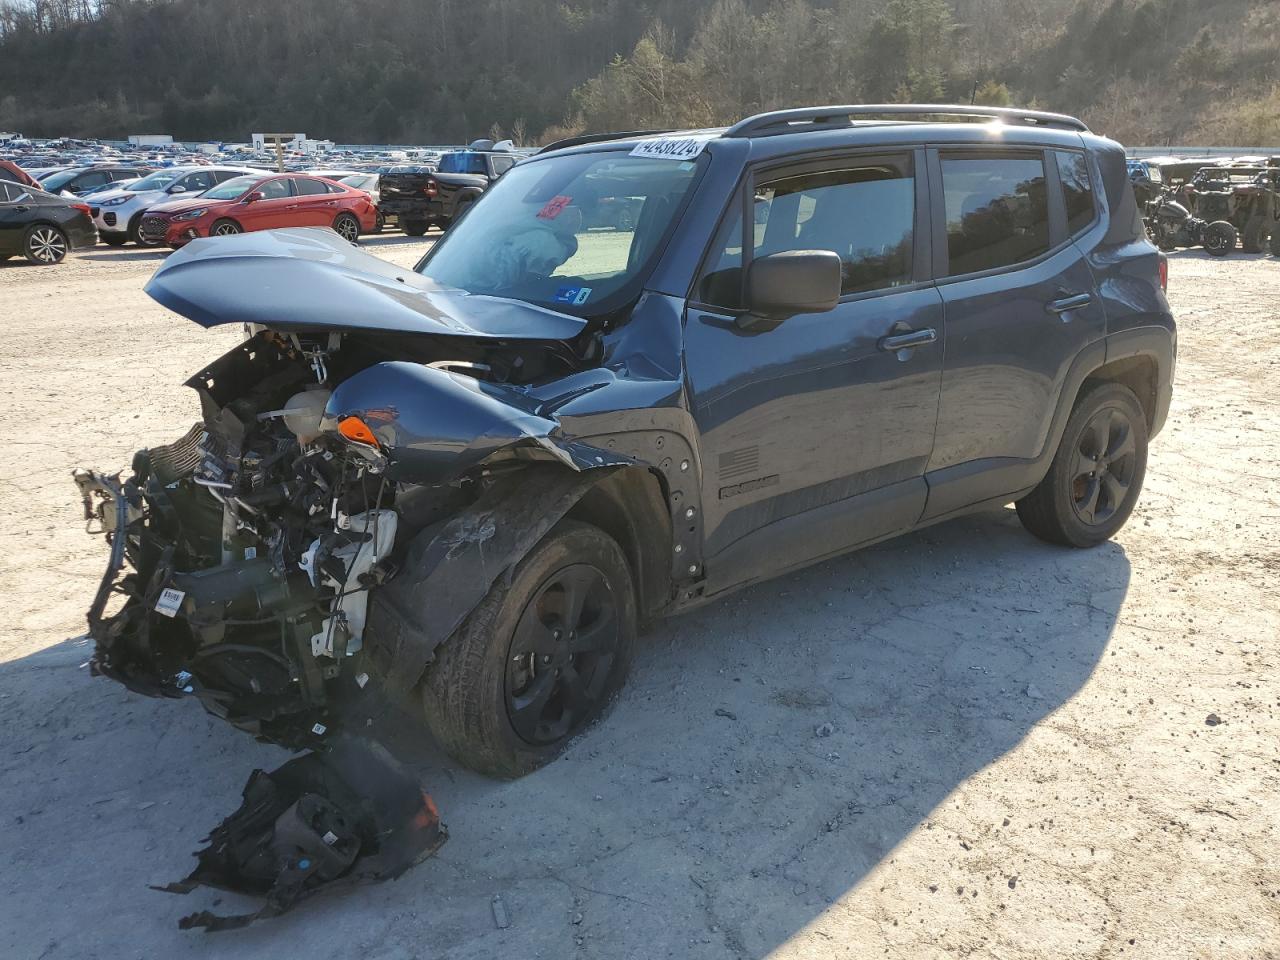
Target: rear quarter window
(1077, 190)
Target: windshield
(56, 181)
(361, 181)
(156, 181)
(566, 231)
(463, 161)
(231, 189)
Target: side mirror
(781, 285)
(177, 188)
(253, 197)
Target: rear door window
(1077, 191)
(997, 210)
(198, 182)
(863, 210)
(309, 188)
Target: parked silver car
(117, 213)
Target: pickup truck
(436, 198)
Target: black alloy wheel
(540, 658)
(561, 654)
(1105, 468)
(1095, 478)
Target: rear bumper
(410, 210)
(81, 233)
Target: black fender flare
(450, 566)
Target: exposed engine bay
(243, 556)
(254, 539)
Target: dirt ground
(1031, 751)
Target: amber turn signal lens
(355, 429)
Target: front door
(815, 433)
(273, 210)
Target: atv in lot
(1240, 195)
(1171, 225)
(457, 492)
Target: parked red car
(250, 203)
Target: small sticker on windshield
(555, 206)
(574, 295)
(671, 148)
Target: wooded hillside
(429, 71)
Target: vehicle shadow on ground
(124, 254)
(769, 752)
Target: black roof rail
(600, 138)
(763, 123)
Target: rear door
(815, 433)
(314, 205)
(1020, 305)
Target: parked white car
(116, 213)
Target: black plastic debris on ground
(351, 815)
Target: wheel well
(1139, 374)
(629, 506)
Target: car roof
(785, 132)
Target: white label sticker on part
(330, 838)
(671, 148)
(250, 553)
(169, 601)
(319, 729)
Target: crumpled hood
(309, 278)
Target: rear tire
(45, 245)
(1275, 240)
(1254, 238)
(1096, 475)
(347, 227)
(532, 666)
(460, 211)
(379, 222)
(1220, 238)
(414, 228)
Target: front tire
(1096, 475)
(45, 245)
(113, 239)
(225, 228)
(539, 660)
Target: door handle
(906, 341)
(1073, 302)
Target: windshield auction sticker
(671, 148)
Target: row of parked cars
(1217, 204)
(44, 213)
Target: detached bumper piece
(351, 816)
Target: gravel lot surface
(960, 743)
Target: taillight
(83, 208)
(1164, 273)
(431, 189)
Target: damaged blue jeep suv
(642, 371)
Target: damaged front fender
(434, 425)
